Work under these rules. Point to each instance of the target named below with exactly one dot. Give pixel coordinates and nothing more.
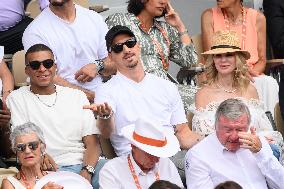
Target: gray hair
(232, 109)
(24, 129)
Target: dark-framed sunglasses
(21, 147)
(35, 65)
(130, 43)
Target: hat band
(225, 46)
(149, 141)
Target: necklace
(48, 105)
(157, 44)
(244, 25)
(226, 90)
(24, 178)
(135, 177)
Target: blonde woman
(226, 78)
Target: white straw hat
(148, 136)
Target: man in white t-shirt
(148, 160)
(76, 37)
(70, 131)
(132, 93)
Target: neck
(45, 90)
(146, 19)
(140, 165)
(32, 172)
(66, 12)
(136, 74)
(225, 80)
(233, 12)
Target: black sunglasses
(32, 146)
(130, 43)
(35, 65)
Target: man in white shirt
(70, 131)
(132, 93)
(148, 160)
(76, 37)
(233, 153)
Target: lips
(29, 157)
(128, 56)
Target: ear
(27, 71)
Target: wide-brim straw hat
(149, 137)
(226, 42)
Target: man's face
(58, 3)
(145, 161)
(129, 57)
(227, 131)
(43, 76)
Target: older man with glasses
(70, 131)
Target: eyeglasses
(35, 65)
(226, 55)
(22, 147)
(130, 43)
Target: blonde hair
(240, 79)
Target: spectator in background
(228, 185)
(274, 12)
(251, 28)
(160, 41)
(13, 23)
(164, 184)
(76, 37)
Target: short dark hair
(228, 185)
(163, 184)
(37, 48)
(135, 6)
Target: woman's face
(156, 8)
(28, 149)
(226, 3)
(225, 63)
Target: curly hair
(136, 6)
(240, 79)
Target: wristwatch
(100, 65)
(90, 169)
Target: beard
(133, 65)
(58, 4)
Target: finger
(108, 108)
(245, 141)
(78, 73)
(253, 130)
(246, 146)
(5, 112)
(91, 107)
(87, 79)
(81, 78)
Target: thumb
(91, 107)
(78, 73)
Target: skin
(233, 134)
(129, 64)
(233, 9)
(145, 161)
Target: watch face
(90, 168)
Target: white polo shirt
(152, 98)
(116, 174)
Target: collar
(220, 147)
(120, 75)
(137, 169)
(134, 19)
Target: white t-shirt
(116, 174)
(74, 44)
(152, 98)
(64, 124)
(1, 53)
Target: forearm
(92, 152)
(5, 145)
(186, 137)
(109, 68)
(184, 38)
(7, 78)
(259, 67)
(106, 126)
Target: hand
(250, 140)
(52, 185)
(48, 164)
(173, 18)
(269, 139)
(5, 117)
(86, 175)
(87, 73)
(253, 73)
(100, 109)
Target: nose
(154, 158)
(126, 49)
(42, 68)
(234, 135)
(27, 150)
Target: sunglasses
(35, 65)
(226, 55)
(32, 146)
(130, 43)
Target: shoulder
(7, 184)
(90, 14)
(202, 98)
(19, 92)
(117, 19)
(69, 91)
(114, 164)
(207, 14)
(251, 92)
(159, 81)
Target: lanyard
(135, 177)
(244, 26)
(165, 61)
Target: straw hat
(149, 137)
(224, 42)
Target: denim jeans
(275, 150)
(77, 168)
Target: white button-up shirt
(116, 174)
(209, 163)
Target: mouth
(29, 157)
(43, 77)
(128, 57)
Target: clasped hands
(250, 140)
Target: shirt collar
(137, 21)
(220, 147)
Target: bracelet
(105, 117)
(183, 33)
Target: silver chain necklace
(48, 105)
(226, 90)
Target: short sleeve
(1, 53)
